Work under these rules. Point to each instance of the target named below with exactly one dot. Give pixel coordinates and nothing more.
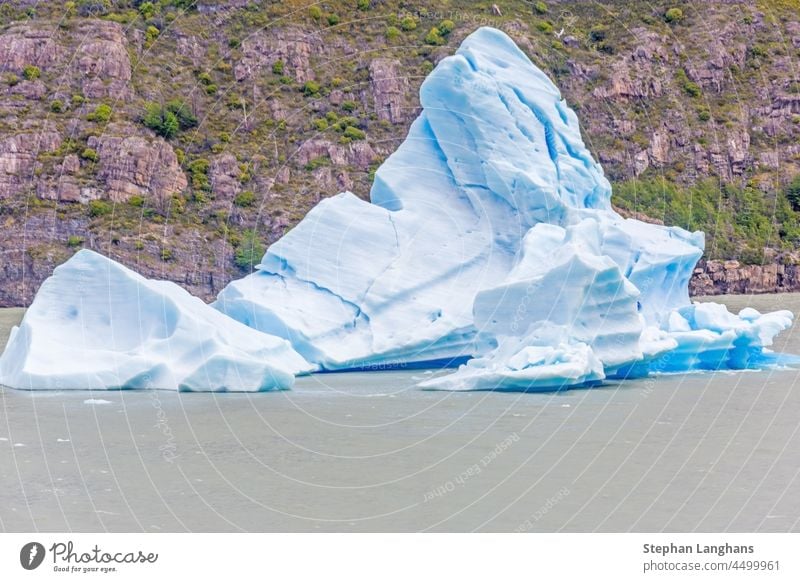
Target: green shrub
(392, 32)
(311, 88)
(249, 252)
(147, 10)
(99, 208)
(78, 100)
(320, 124)
(93, 7)
(136, 201)
(210, 89)
(168, 119)
(31, 72)
(198, 170)
(12, 79)
(74, 241)
(150, 35)
(544, 26)
(333, 19)
(166, 254)
(793, 192)
(101, 114)
(363, 5)
(446, 27)
(434, 37)
(598, 33)
(673, 15)
(408, 23)
(245, 199)
(90, 155)
(349, 106)
(277, 67)
(704, 115)
(315, 12)
(540, 7)
(57, 106)
(354, 133)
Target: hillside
(181, 138)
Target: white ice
(98, 325)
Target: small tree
(793, 192)
(249, 252)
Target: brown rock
(18, 155)
(23, 45)
(390, 90)
(223, 173)
(291, 45)
(102, 60)
(132, 165)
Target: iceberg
(97, 325)
(490, 241)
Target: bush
(544, 26)
(166, 254)
(392, 32)
(245, 199)
(99, 208)
(598, 33)
(31, 72)
(434, 37)
(12, 79)
(78, 100)
(277, 67)
(315, 12)
(249, 252)
(363, 5)
(136, 201)
(349, 106)
(320, 124)
(333, 19)
(74, 241)
(198, 170)
(354, 133)
(147, 10)
(540, 7)
(673, 15)
(93, 7)
(446, 27)
(311, 88)
(408, 23)
(90, 155)
(150, 35)
(101, 114)
(57, 106)
(793, 192)
(168, 119)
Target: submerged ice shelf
(490, 237)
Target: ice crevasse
(490, 235)
(489, 242)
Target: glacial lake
(371, 452)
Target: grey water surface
(371, 452)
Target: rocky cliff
(181, 138)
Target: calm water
(370, 452)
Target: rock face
(23, 45)
(18, 155)
(224, 175)
(731, 277)
(390, 90)
(131, 165)
(293, 46)
(102, 61)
